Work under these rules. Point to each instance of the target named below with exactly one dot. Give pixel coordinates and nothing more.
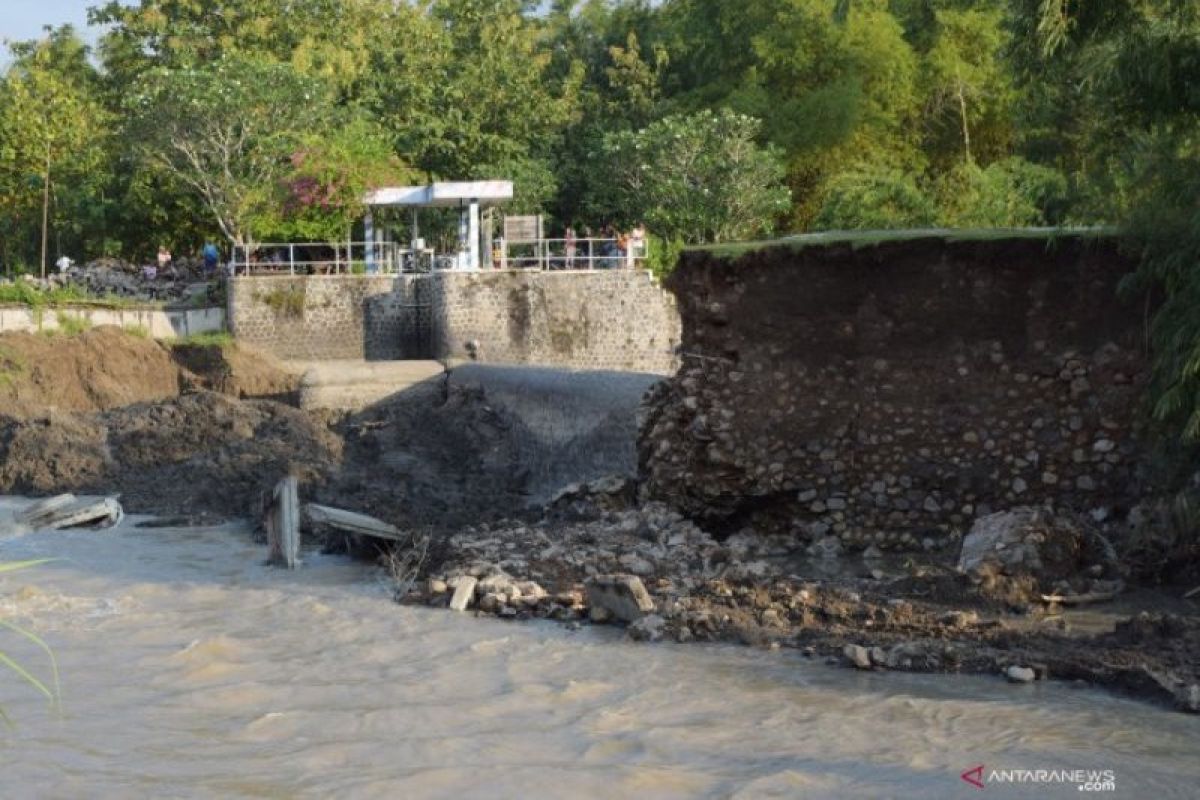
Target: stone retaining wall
(891, 394)
(611, 320)
(325, 317)
(605, 320)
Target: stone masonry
(612, 320)
(373, 317)
(891, 394)
(604, 320)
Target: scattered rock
(623, 596)
(648, 629)
(1017, 674)
(857, 655)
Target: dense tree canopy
(868, 112)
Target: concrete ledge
(160, 323)
(354, 385)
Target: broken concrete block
(464, 593)
(352, 522)
(623, 596)
(67, 511)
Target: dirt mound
(237, 372)
(107, 367)
(436, 454)
(97, 370)
(201, 452)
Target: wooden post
(283, 523)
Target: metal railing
(390, 258)
(570, 254)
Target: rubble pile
(660, 576)
(111, 277)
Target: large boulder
(1024, 542)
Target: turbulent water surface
(190, 670)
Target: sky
(23, 19)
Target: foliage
(24, 293)
(70, 324)
(700, 178)
(52, 692)
(875, 198)
(663, 255)
(1011, 193)
(226, 130)
(323, 193)
(51, 129)
(221, 339)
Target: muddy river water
(188, 669)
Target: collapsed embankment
(889, 394)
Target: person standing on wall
(569, 243)
(211, 257)
(637, 244)
(164, 260)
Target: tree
(1009, 193)
(323, 194)
(227, 131)
(50, 125)
(700, 178)
(969, 93)
(466, 85)
(875, 198)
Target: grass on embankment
(860, 239)
(221, 339)
(22, 293)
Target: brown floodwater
(190, 670)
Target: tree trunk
(966, 129)
(45, 209)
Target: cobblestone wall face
(890, 395)
(376, 317)
(611, 320)
(619, 320)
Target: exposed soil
(97, 370)
(236, 371)
(202, 453)
(106, 368)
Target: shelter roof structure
(448, 194)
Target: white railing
(389, 258)
(570, 254)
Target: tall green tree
(700, 178)
(227, 131)
(52, 130)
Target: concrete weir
(347, 385)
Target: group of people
(612, 249)
(162, 262)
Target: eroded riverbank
(191, 670)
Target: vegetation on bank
(869, 238)
(220, 339)
(23, 293)
(50, 689)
